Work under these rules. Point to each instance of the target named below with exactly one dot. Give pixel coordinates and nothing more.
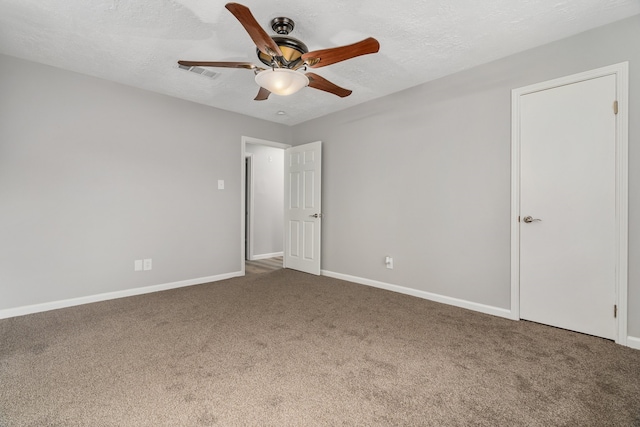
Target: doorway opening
(262, 217)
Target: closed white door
(302, 210)
(568, 191)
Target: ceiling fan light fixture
(282, 81)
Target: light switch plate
(137, 265)
(389, 262)
(148, 264)
(221, 184)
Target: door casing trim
(248, 201)
(621, 71)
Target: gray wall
(424, 175)
(268, 199)
(94, 175)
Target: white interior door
(568, 187)
(302, 209)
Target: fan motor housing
(292, 48)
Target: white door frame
(621, 71)
(244, 140)
(248, 206)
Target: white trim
(244, 140)
(54, 305)
(250, 199)
(258, 141)
(515, 205)
(469, 305)
(622, 201)
(621, 71)
(633, 342)
(265, 256)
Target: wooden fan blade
(259, 36)
(320, 83)
(246, 65)
(262, 95)
(324, 57)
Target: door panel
(303, 175)
(294, 239)
(309, 196)
(567, 166)
(294, 185)
(309, 240)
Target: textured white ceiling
(137, 42)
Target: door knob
(529, 219)
(317, 215)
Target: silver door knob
(317, 215)
(529, 219)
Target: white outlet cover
(148, 264)
(221, 184)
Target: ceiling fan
(287, 58)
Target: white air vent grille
(199, 70)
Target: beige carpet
(290, 349)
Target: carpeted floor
(290, 349)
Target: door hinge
(615, 107)
(615, 311)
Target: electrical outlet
(147, 264)
(137, 265)
(389, 262)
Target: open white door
(302, 209)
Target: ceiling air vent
(199, 70)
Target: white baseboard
(54, 305)
(265, 256)
(633, 342)
(487, 309)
